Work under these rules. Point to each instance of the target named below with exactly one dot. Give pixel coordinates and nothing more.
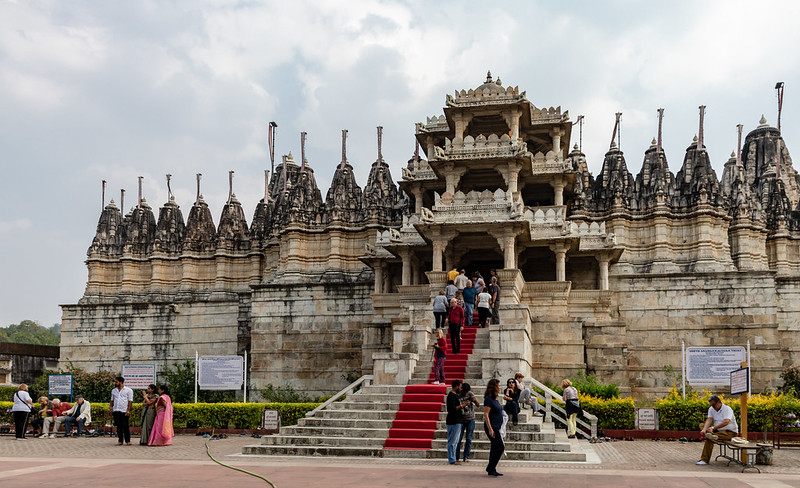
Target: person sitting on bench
(59, 415)
(80, 414)
(720, 426)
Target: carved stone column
(416, 190)
(558, 191)
(602, 275)
(462, 121)
(556, 135)
(560, 250)
(438, 250)
(507, 239)
(510, 174)
(512, 119)
(379, 278)
(405, 254)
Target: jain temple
(606, 274)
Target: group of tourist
(156, 415)
(460, 421)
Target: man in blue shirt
(469, 301)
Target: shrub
(589, 385)
(95, 387)
(613, 413)
(791, 381)
(7, 393)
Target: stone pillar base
(392, 368)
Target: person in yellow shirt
(452, 274)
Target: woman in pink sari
(162, 433)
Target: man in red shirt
(59, 409)
(456, 319)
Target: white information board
(139, 376)
(220, 372)
(740, 381)
(712, 366)
(59, 384)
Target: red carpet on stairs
(414, 425)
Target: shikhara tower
(605, 274)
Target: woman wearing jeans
(492, 422)
(22, 410)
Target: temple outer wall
(101, 337)
(308, 335)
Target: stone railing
(473, 206)
(553, 215)
(421, 171)
(365, 380)
(480, 96)
(554, 410)
(549, 163)
(482, 147)
(535, 288)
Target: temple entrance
(480, 260)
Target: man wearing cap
(720, 426)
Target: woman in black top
(492, 422)
(511, 396)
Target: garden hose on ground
(208, 451)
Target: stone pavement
(99, 462)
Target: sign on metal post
(59, 384)
(139, 376)
(220, 372)
(740, 381)
(712, 366)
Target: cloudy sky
(112, 90)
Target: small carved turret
(170, 230)
(583, 180)
(696, 181)
(614, 185)
(344, 202)
(232, 234)
(299, 202)
(109, 239)
(655, 184)
(261, 228)
(200, 229)
(141, 230)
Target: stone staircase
(360, 425)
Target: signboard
(271, 420)
(139, 376)
(59, 384)
(647, 418)
(740, 381)
(220, 372)
(712, 366)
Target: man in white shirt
(461, 280)
(719, 426)
(121, 403)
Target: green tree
(29, 332)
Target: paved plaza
(99, 462)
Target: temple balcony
(480, 147)
(550, 163)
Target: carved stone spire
(141, 230)
(696, 181)
(232, 234)
(344, 201)
(614, 184)
(109, 238)
(200, 229)
(583, 180)
(655, 184)
(170, 230)
(383, 202)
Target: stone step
(438, 443)
(334, 426)
(379, 429)
(371, 451)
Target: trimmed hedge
(675, 413)
(614, 413)
(201, 415)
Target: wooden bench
(735, 452)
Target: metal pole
(749, 365)
(196, 358)
(245, 377)
(683, 369)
